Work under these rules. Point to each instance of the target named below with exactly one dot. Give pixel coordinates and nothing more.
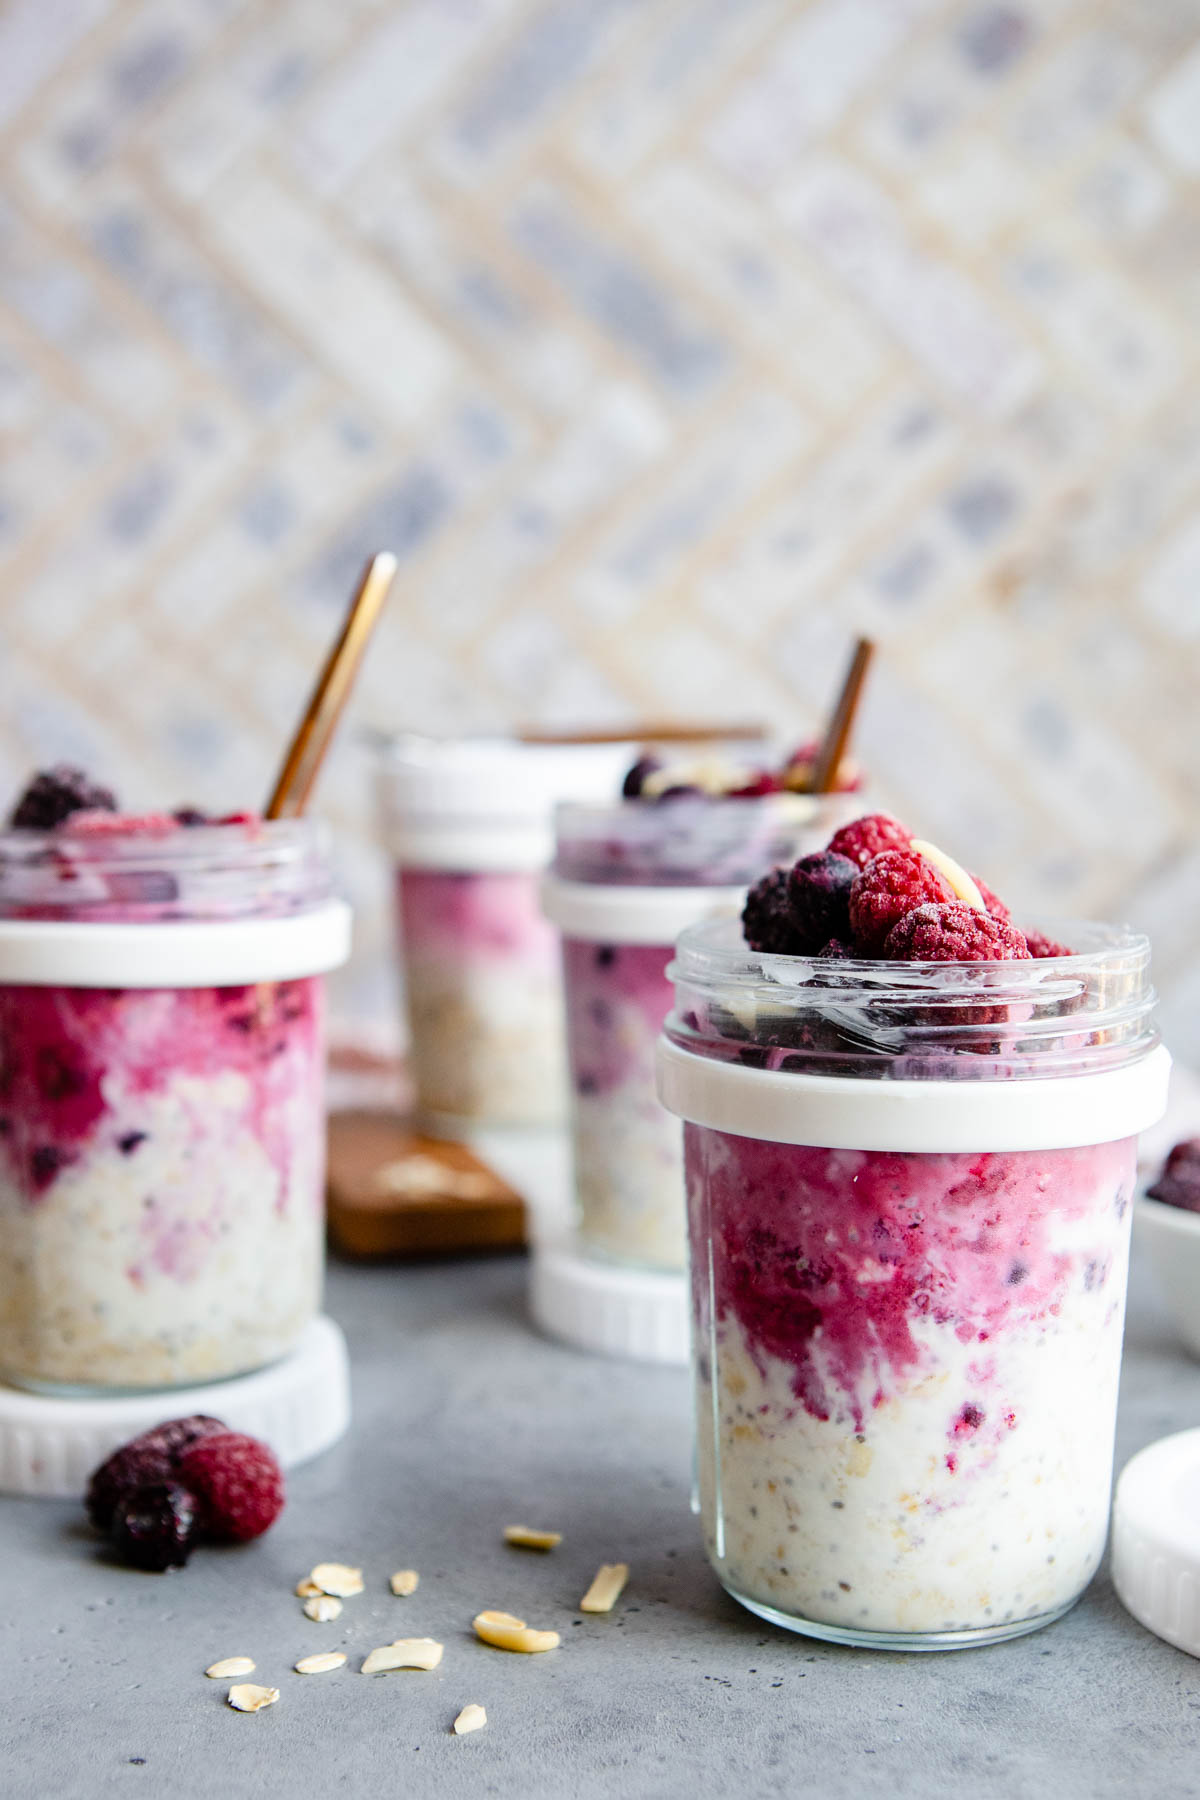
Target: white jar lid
(834, 1112)
(184, 953)
(605, 1307)
(1156, 1539)
(487, 803)
(49, 1445)
(632, 915)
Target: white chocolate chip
(962, 884)
(404, 1582)
(249, 1698)
(405, 1653)
(605, 1591)
(471, 1718)
(527, 1538)
(320, 1664)
(338, 1579)
(504, 1632)
(229, 1666)
(322, 1607)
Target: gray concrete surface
(465, 1422)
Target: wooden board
(396, 1192)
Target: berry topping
(819, 895)
(869, 836)
(767, 922)
(151, 1457)
(954, 933)
(1179, 1183)
(834, 947)
(154, 1526)
(891, 885)
(237, 1483)
(1041, 946)
(634, 782)
(190, 815)
(54, 794)
(798, 770)
(758, 783)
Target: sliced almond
(322, 1608)
(471, 1718)
(229, 1666)
(307, 1588)
(504, 1632)
(405, 1653)
(404, 1582)
(955, 874)
(338, 1579)
(605, 1591)
(321, 1663)
(526, 1537)
(246, 1697)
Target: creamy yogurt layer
(906, 1376)
(161, 1180)
(484, 996)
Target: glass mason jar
(162, 1127)
(626, 880)
(468, 825)
(909, 1191)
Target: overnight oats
(161, 1090)
(467, 823)
(910, 1154)
(627, 879)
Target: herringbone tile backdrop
(667, 342)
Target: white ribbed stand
(1156, 1539)
(300, 1406)
(637, 1313)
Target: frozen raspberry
(835, 948)
(869, 836)
(760, 782)
(891, 885)
(767, 923)
(151, 1457)
(1041, 946)
(798, 770)
(954, 932)
(1179, 1183)
(819, 896)
(54, 794)
(237, 1483)
(993, 902)
(635, 781)
(154, 1526)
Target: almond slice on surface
(321, 1664)
(404, 1582)
(526, 1537)
(471, 1718)
(229, 1666)
(247, 1697)
(964, 887)
(504, 1632)
(306, 1588)
(322, 1607)
(405, 1653)
(606, 1588)
(339, 1579)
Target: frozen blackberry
(54, 794)
(767, 923)
(819, 896)
(154, 1526)
(152, 1457)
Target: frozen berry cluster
(67, 797)
(652, 777)
(877, 893)
(187, 1481)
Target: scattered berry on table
(151, 1457)
(154, 1525)
(237, 1483)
